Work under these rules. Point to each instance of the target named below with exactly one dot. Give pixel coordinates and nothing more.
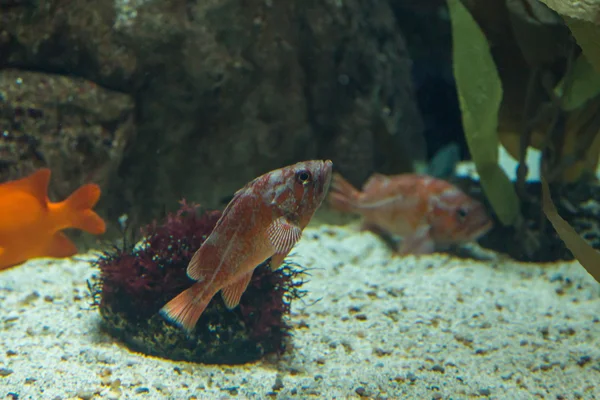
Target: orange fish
(30, 225)
(264, 219)
(427, 212)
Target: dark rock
(227, 90)
(359, 88)
(427, 29)
(71, 125)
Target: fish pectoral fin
(276, 260)
(283, 235)
(420, 242)
(233, 293)
(389, 238)
(60, 246)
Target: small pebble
(30, 298)
(557, 276)
(381, 352)
(583, 360)
(278, 385)
(5, 371)
(85, 394)
(114, 394)
(438, 368)
(507, 376)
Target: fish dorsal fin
(375, 182)
(35, 184)
(283, 235)
(233, 293)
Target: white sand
(429, 327)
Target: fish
(444, 161)
(31, 225)
(428, 213)
(265, 219)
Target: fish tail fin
(79, 206)
(186, 308)
(343, 195)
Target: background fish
(31, 225)
(425, 211)
(264, 219)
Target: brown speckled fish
(264, 219)
(427, 212)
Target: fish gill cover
(136, 281)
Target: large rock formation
(70, 124)
(226, 90)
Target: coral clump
(136, 281)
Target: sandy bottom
(372, 326)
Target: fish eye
(303, 176)
(461, 214)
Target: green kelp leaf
(587, 256)
(583, 10)
(584, 85)
(539, 31)
(587, 35)
(583, 19)
(479, 94)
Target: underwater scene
(299, 199)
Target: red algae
(135, 281)
(140, 277)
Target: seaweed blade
(587, 256)
(480, 94)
